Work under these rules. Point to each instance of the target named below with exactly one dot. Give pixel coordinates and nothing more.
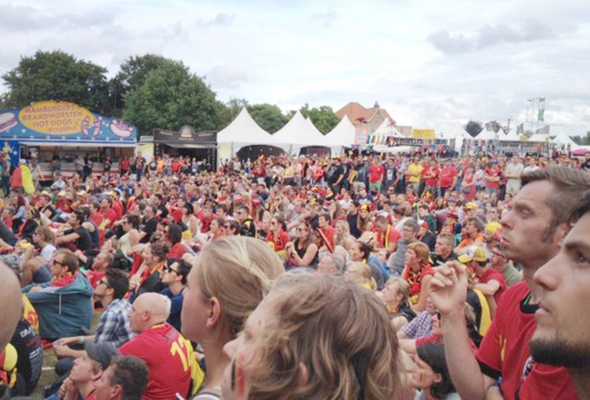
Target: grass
(48, 376)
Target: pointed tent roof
(297, 131)
(512, 136)
(387, 129)
(343, 134)
(540, 138)
(243, 129)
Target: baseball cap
(471, 206)
(102, 353)
(474, 253)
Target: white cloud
(432, 64)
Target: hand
(67, 340)
(35, 289)
(448, 288)
(65, 387)
(61, 350)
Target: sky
(431, 64)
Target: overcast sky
(429, 63)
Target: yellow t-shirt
(415, 172)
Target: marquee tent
(242, 132)
(512, 136)
(343, 134)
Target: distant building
(365, 120)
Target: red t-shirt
(330, 234)
(119, 209)
(376, 173)
(387, 239)
(177, 251)
(494, 173)
(493, 275)
(504, 352)
(433, 172)
(447, 175)
(168, 356)
(279, 242)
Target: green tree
(322, 117)
(268, 116)
(57, 76)
(132, 75)
(172, 97)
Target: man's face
(561, 337)
(408, 233)
(138, 317)
(85, 369)
(104, 390)
(58, 268)
(526, 226)
(442, 247)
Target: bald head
(10, 304)
(155, 306)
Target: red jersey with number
(168, 356)
(504, 352)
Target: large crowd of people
(356, 277)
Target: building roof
(360, 115)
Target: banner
(48, 121)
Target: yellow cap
(475, 253)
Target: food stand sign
(58, 121)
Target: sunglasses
(170, 269)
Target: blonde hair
(238, 271)
(338, 331)
(422, 252)
(360, 273)
(402, 285)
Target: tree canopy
(56, 75)
(268, 116)
(149, 91)
(171, 97)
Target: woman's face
(242, 350)
(303, 231)
(196, 309)
(411, 258)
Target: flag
(520, 129)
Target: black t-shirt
(335, 173)
(84, 241)
(30, 357)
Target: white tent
(243, 131)
(343, 134)
(540, 138)
(512, 136)
(566, 140)
(295, 132)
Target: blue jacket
(63, 312)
